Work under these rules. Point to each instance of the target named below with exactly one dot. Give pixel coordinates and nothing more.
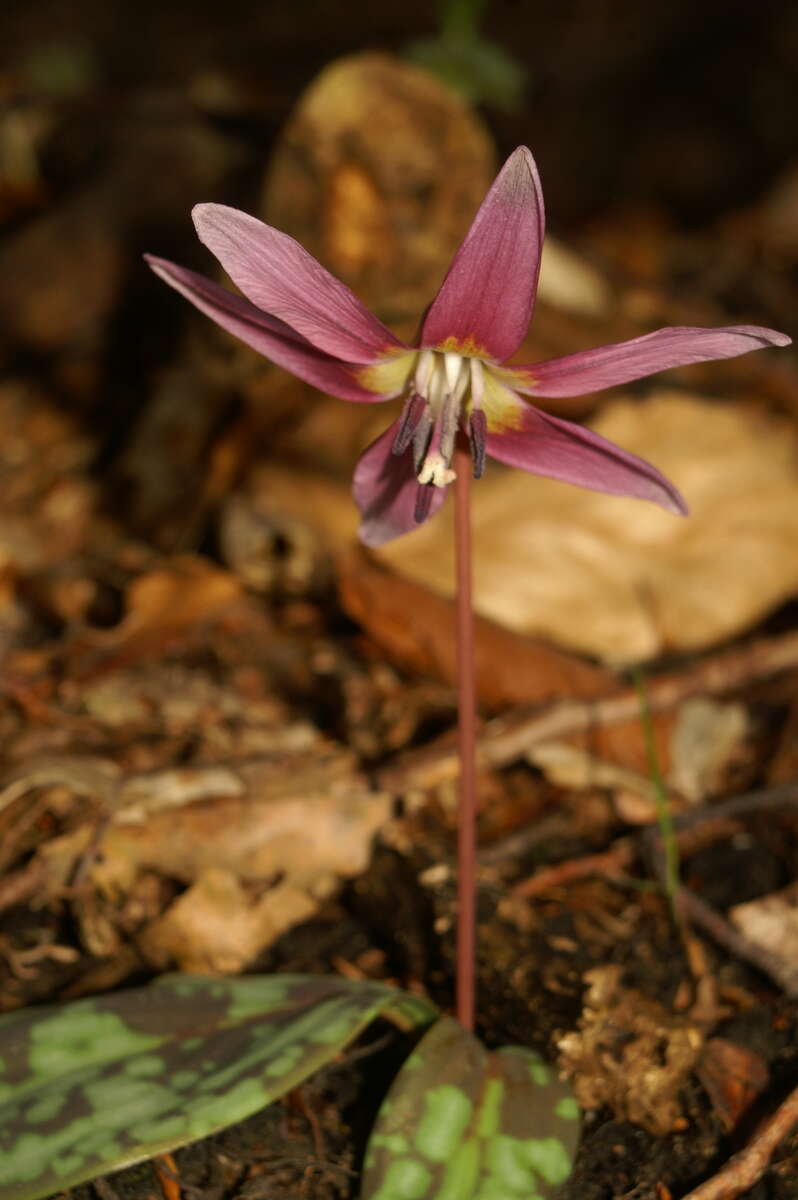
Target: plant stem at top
(466, 730)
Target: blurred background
(181, 591)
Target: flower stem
(466, 730)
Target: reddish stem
(466, 730)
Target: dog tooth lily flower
(297, 314)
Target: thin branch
(747, 1167)
(507, 739)
(699, 913)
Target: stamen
(412, 413)
(421, 438)
(424, 496)
(477, 433)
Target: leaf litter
(227, 732)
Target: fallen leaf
(216, 928)
(771, 922)
(706, 738)
(59, 256)
(164, 605)
(382, 202)
(695, 747)
(85, 775)
(569, 767)
(416, 627)
(304, 818)
(46, 499)
(178, 596)
(732, 1076)
(568, 282)
(620, 578)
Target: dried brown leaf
(383, 202)
(416, 627)
(619, 578)
(217, 928)
(733, 1076)
(771, 922)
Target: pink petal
(485, 302)
(385, 489)
(547, 445)
(606, 366)
(279, 276)
(270, 337)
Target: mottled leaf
(462, 1124)
(94, 1085)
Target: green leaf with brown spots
(91, 1086)
(462, 1124)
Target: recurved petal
(486, 300)
(279, 276)
(385, 489)
(270, 337)
(546, 445)
(606, 366)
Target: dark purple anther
(424, 496)
(412, 413)
(477, 432)
(421, 438)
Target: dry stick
(619, 857)
(698, 912)
(466, 736)
(614, 861)
(747, 1167)
(169, 1179)
(509, 737)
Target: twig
(168, 1178)
(466, 739)
(20, 885)
(783, 795)
(296, 1098)
(507, 738)
(698, 912)
(103, 1189)
(614, 861)
(622, 852)
(747, 1167)
(702, 914)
